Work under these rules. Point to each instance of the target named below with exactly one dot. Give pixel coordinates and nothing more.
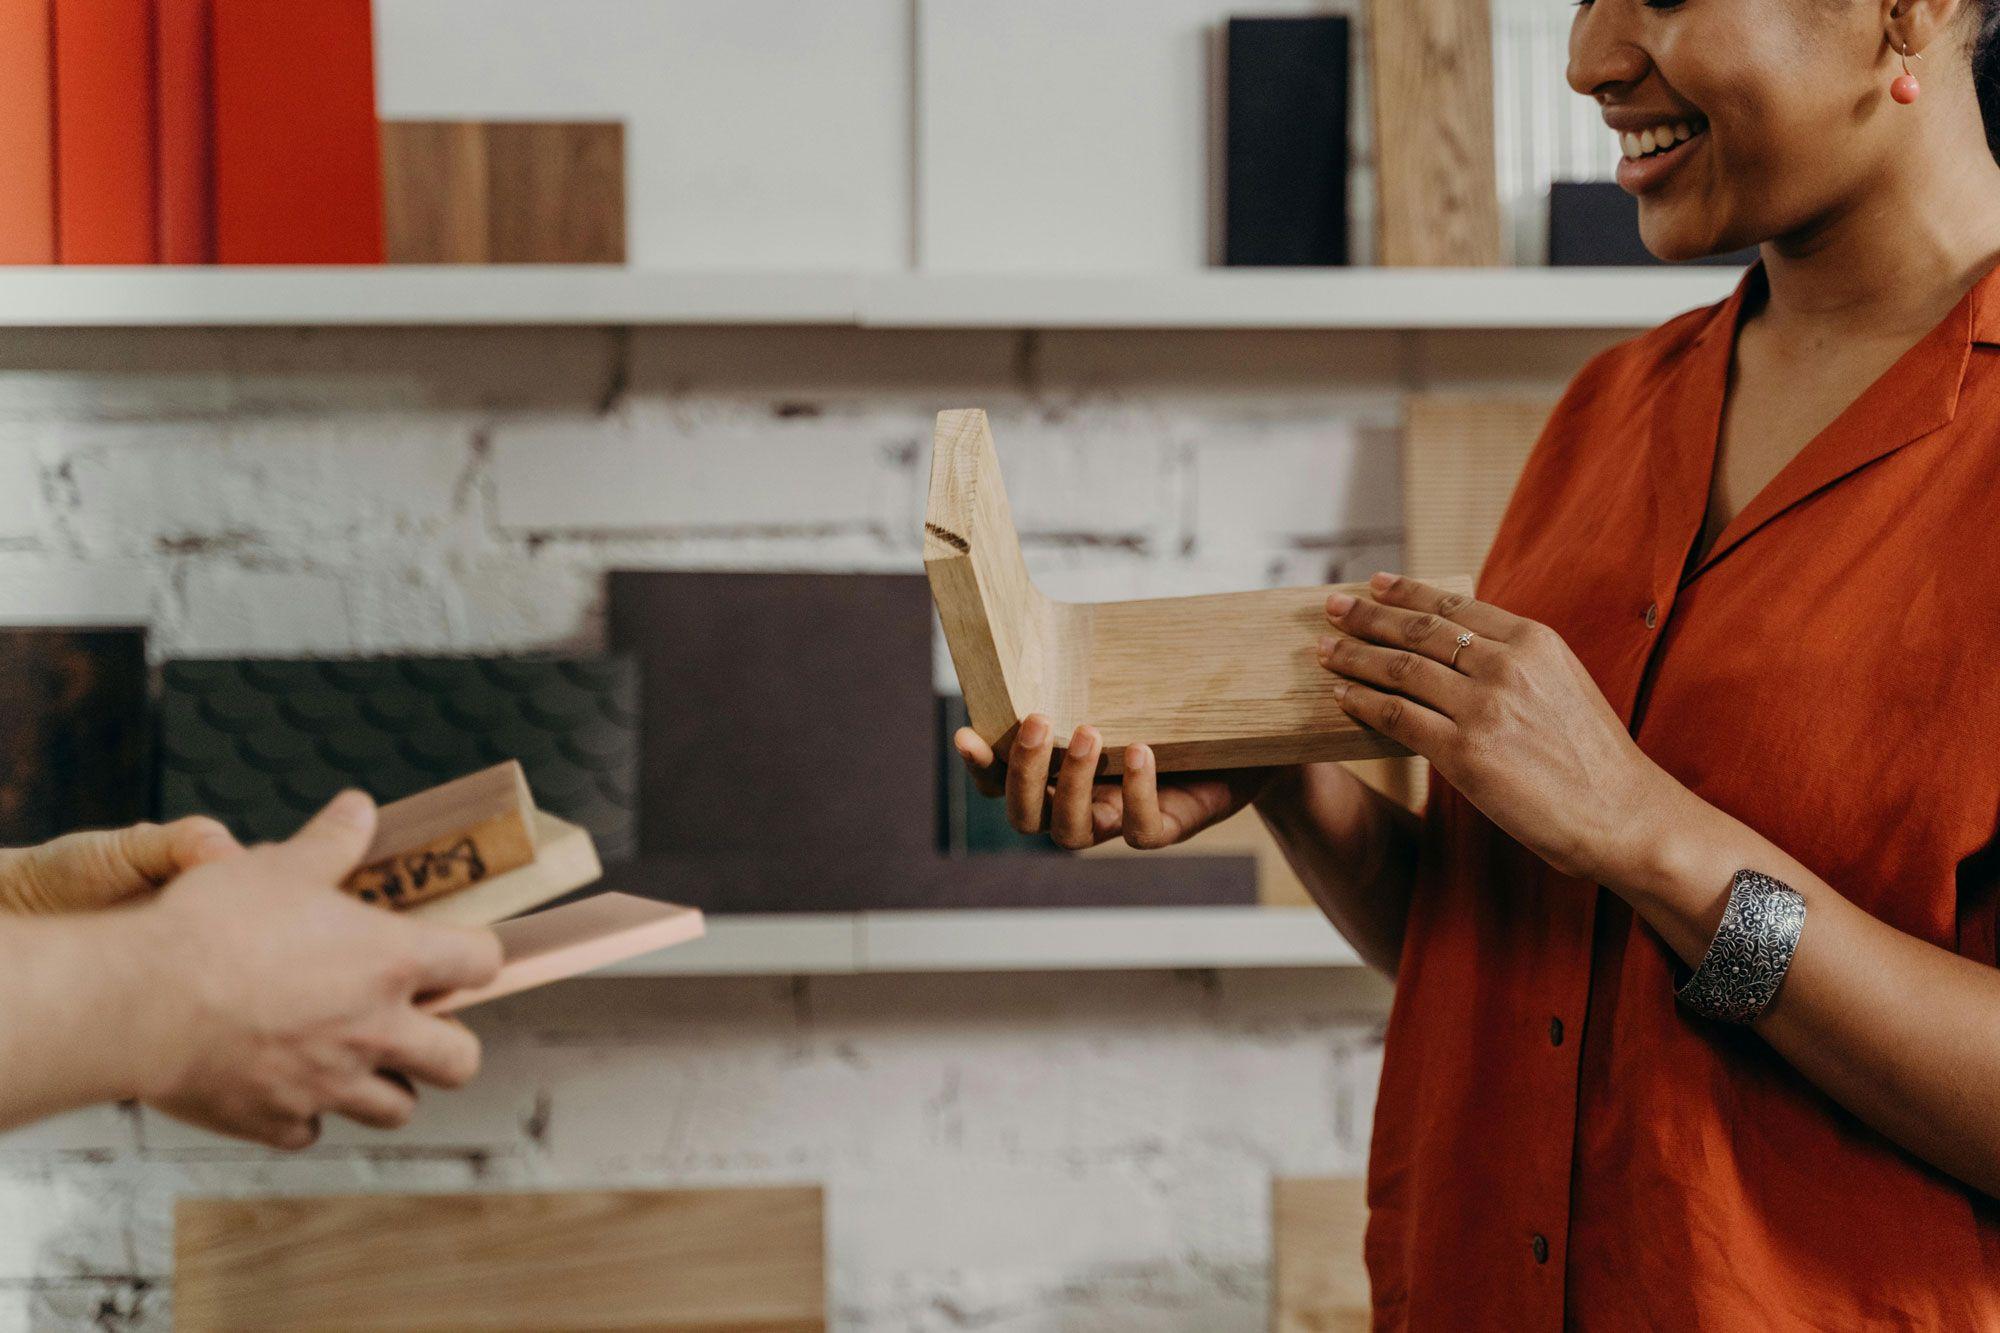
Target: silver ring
(1464, 642)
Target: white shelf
(1385, 299)
(1076, 939)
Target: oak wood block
(557, 193)
(1223, 681)
(447, 839)
(1319, 1283)
(692, 1261)
(435, 187)
(1437, 199)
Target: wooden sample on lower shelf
(1319, 1283)
(1437, 200)
(568, 941)
(692, 1261)
(1224, 681)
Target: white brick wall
(1081, 1152)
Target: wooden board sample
(1462, 455)
(565, 861)
(73, 731)
(1319, 1283)
(692, 1261)
(105, 193)
(558, 193)
(298, 169)
(27, 133)
(1224, 681)
(434, 191)
(568, 941)
(449, 838)
(1436, 197)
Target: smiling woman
(1697, 940)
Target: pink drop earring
(1906, 89)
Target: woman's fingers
(1422, 632)
(1145, 825)
(1070, 821)
(1481, 618)
(1420, 678)
(1028, 775)
(1424, 731)
(980, 761)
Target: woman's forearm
(1356, 854)
(68, 990)
(1902, 1033)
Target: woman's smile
(1654, 152)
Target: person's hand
(1519, 727)
(1077, 811)
(271, 997)
(84, 872)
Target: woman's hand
(84, 872)
(1078, 811)
(268, 997)
(1519, 726)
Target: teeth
(1658, 137)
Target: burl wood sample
(1437, 200)
(1462, 455)
(678, 1261)
(568, 941)
(449, 838)
(1224, 681)
(1319, 1283)
(526, 192)
(73, 729)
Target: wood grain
(447, 839)
(682, 1261)
(1319, 1282)
(565, 861)
(1229, 680)
(557, 193)
(1437, 200)
(435, 188)
(1462, 455)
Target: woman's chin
(1673, 240)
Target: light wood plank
(1462, 455)
(445, 840)
(683, 1261)
(1319, 1282)
(569, 941)
(566, 860)
(1222, 681)
(1437, 200)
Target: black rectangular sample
(1286, 142)
(1596, 223)
(261, 743)
(783, 711)
(73, 731)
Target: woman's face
(1763, 115)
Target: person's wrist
(153, 1004)
(1282, 790)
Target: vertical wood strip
(1319, 1283)
(557, 193)
(1462, 455)
(434, 188)
(1437, 198)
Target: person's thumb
(333, 842)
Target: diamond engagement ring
(1464, 642)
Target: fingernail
(1340, 603)
(1326, 647)
(1136, 756)
(1381, 580)
(1084, 739)
(1340, 687)
(1035, 730)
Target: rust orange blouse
(1556, 1144)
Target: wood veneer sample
(1462, 455)
(679, 1261)
(27, 133)
(557, 192)
(568, 941)
(1319, 1283)
(565, 861)
(73, 731)
(435, 188)
(1436, 197)
(1223, 681)
(449, 838)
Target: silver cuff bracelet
(1752, 950)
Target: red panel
(298, 170)
(105, 210)
(187, 133)
(27, 134)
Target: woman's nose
(1604, 57)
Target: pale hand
(1519, 727)
(1078, 811)
(84, 872)
(272, 997)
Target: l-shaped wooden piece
(1230, 680)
